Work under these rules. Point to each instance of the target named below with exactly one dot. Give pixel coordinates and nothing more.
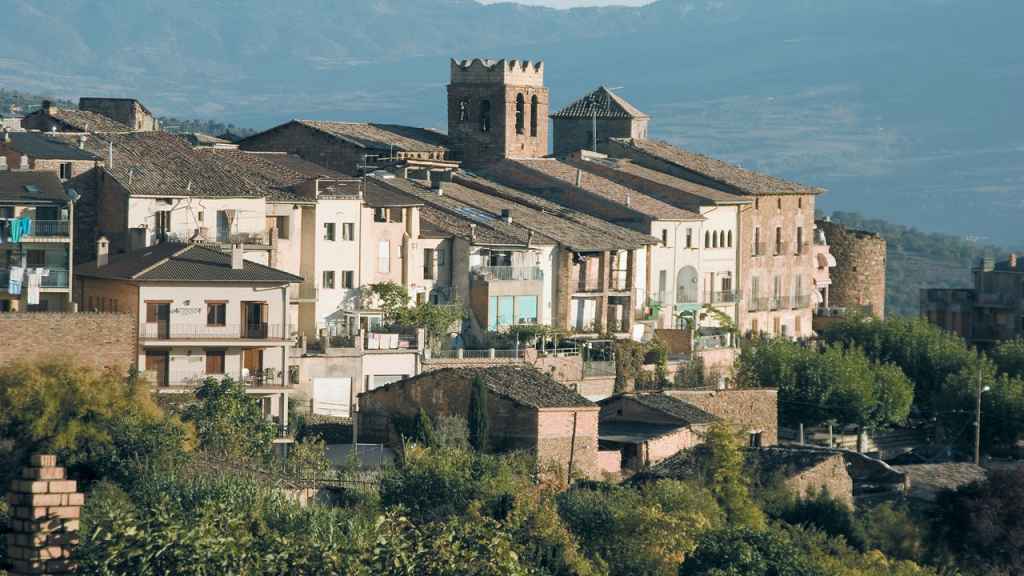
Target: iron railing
(598, 368)
(619, 280)
(50, 228)
(57, 278)
(722, 297)
(801, 301)
(509, 273)
(177, 331)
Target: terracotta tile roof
(524, 173)
(602, 103)
(683, 411)
(161, 164)
(688, 193)
(174, 262)
(383, 136)
(86, 121)
(31, 187)
(275, 172)
(523, 385)
(741, 180)
(201, 139)
(382, 193)
(47, 147)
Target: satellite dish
(73, 194)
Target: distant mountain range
(907, 110)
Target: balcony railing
(711, 342)
(619, 280)
(50, 228)
(760, 304)
(722, 297)
(509, 273)
(603, 368)
(801, 301)
(175, 331)
(779, 302)
(57, 278)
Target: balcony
(722, 297)
(711, 342)
(619, 280)
(509, 273)
(202, 236)
(760, 304)
(175, 331)
(58, 278)
(50, 229)
(801, 301)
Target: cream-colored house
(201, 312)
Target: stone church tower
(497, 109)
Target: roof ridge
(161, 261)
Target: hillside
(872, 99)
(919, 260)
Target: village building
(36, 238)
(52, 118)
(45, 151)
(354, 148)
(990, 312)
(526, 410)
(591, 121)
(648, 428)
(127, 111)
(200, 312)
(858, 260)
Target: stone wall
(573, 134)
(858, 279)
(754, 410)
(829, 475)
(96, 340)
(124, 110)
(311, 145)
(561, 448)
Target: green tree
(99, 423)
(479, 419)
(436, 320)
(744, 551)
(230, 422)
(727, 478)
(393, 299)
(424, 429)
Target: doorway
(157, 363)
(252, 365)
(254, 320)
(159, 313)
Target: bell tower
(497, 109)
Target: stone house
(52, 118)
(200, 312)
(42, 151)
(775, 257)
(752, 411)
(527, 410)
(127, 111)
(36, 239)
(648, 428)
(520, 260)
(352, 147)
(990, 312)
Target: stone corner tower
(497, 109)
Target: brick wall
(858, 279)
(96, 340)
(747, 410)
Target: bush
(229, 422)
(831, 516)
(982, 524)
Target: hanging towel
(34, 281)
(14, 283)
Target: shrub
(479, 419)
(229, 422)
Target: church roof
(602, 103)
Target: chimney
(236, 257)
(579, 177)
(506, 215)
(102, 251)
(1013, 261)
(81, 141)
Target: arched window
(533, 116)
(485, 115)
(686, 285)
(520, 114)
(707, 239)
(463, 111)
(730, 238)
(714, 239)
(721, 239)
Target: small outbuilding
(527, 410)
(647, 428)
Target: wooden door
(159, 313)
(252, 361)
(254, 319)
(157, 363)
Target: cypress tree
(424, 429)
(479, 426)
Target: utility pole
(977, 422)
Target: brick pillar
(44, 528)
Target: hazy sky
(574, 3)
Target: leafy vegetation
(436, 320)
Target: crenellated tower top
(505, 71)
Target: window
(328, 281)
(779, 201)
(5, 305)
(214, 361)
(526, 309)
(348, 279)
(163, 224)
(714, 239)
(384, 257)
(707, 239)
(428, 264)
(216, 313)
(520, 114)
(664, 237)
(721, 239)
(729, 237)
(396, 214)
(800, 203)
(36, 259)
(533, 115)
(754, 329)
(689, 237)
(727, 284)
(463, 111)
(380, 214)
(757, 203)
(777, 326)
(757, 241)
(755, 287)
(6, 211)
(65, 170)
(199, 216)
(485, 115)
(778, 240)
(281, 223)
(755, 439)
(500, 311)
(662, 284)
(799, 239)
(329, 231)
(348, 231)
